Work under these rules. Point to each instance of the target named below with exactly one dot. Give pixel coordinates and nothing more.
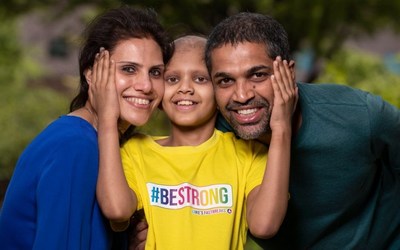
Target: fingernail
(102, 49)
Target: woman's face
(139, 78)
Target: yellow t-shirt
(194, 196)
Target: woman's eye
(129, 69)
(156, 72)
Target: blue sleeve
(66, 197)
(385, 124)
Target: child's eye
(201, 79)
(171, 79)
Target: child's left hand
(285, 95)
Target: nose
(143, 83)
(243, 92)
(186, 86)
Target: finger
(105, 68)
(111, 75)
(94, 68)
(291, 65)
(280, 73)
(140, 246)
(288, 81)
(141, 226)
(276, 88)
(280, 79)
(290, 84)
(99, 69)
(141, 235)
(296, 98)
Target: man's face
(241, 76)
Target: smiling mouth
(247, 111)
(185, 103)
(136, 100)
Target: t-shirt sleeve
(385, 130)
(66, 194)
(129, 168)
(258, 162)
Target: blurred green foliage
(25, 110)
(364, 71)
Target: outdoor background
(350, 42)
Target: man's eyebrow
(221, 75)
(254, 69)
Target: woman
(50, 202)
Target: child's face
(189, 97)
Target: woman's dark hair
(107, 30)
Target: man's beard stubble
(250, 131)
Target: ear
(292, 69)
(88, 75)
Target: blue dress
(51, 202)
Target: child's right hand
(102, 90)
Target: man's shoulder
(330, 93)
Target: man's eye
(260, 75)
(224, 82)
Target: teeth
(247, 111)
(185, 103)
(138, 100)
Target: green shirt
(345, 173)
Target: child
(198, 186)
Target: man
(345, 161)
(345, 169)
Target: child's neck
(188, 136)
